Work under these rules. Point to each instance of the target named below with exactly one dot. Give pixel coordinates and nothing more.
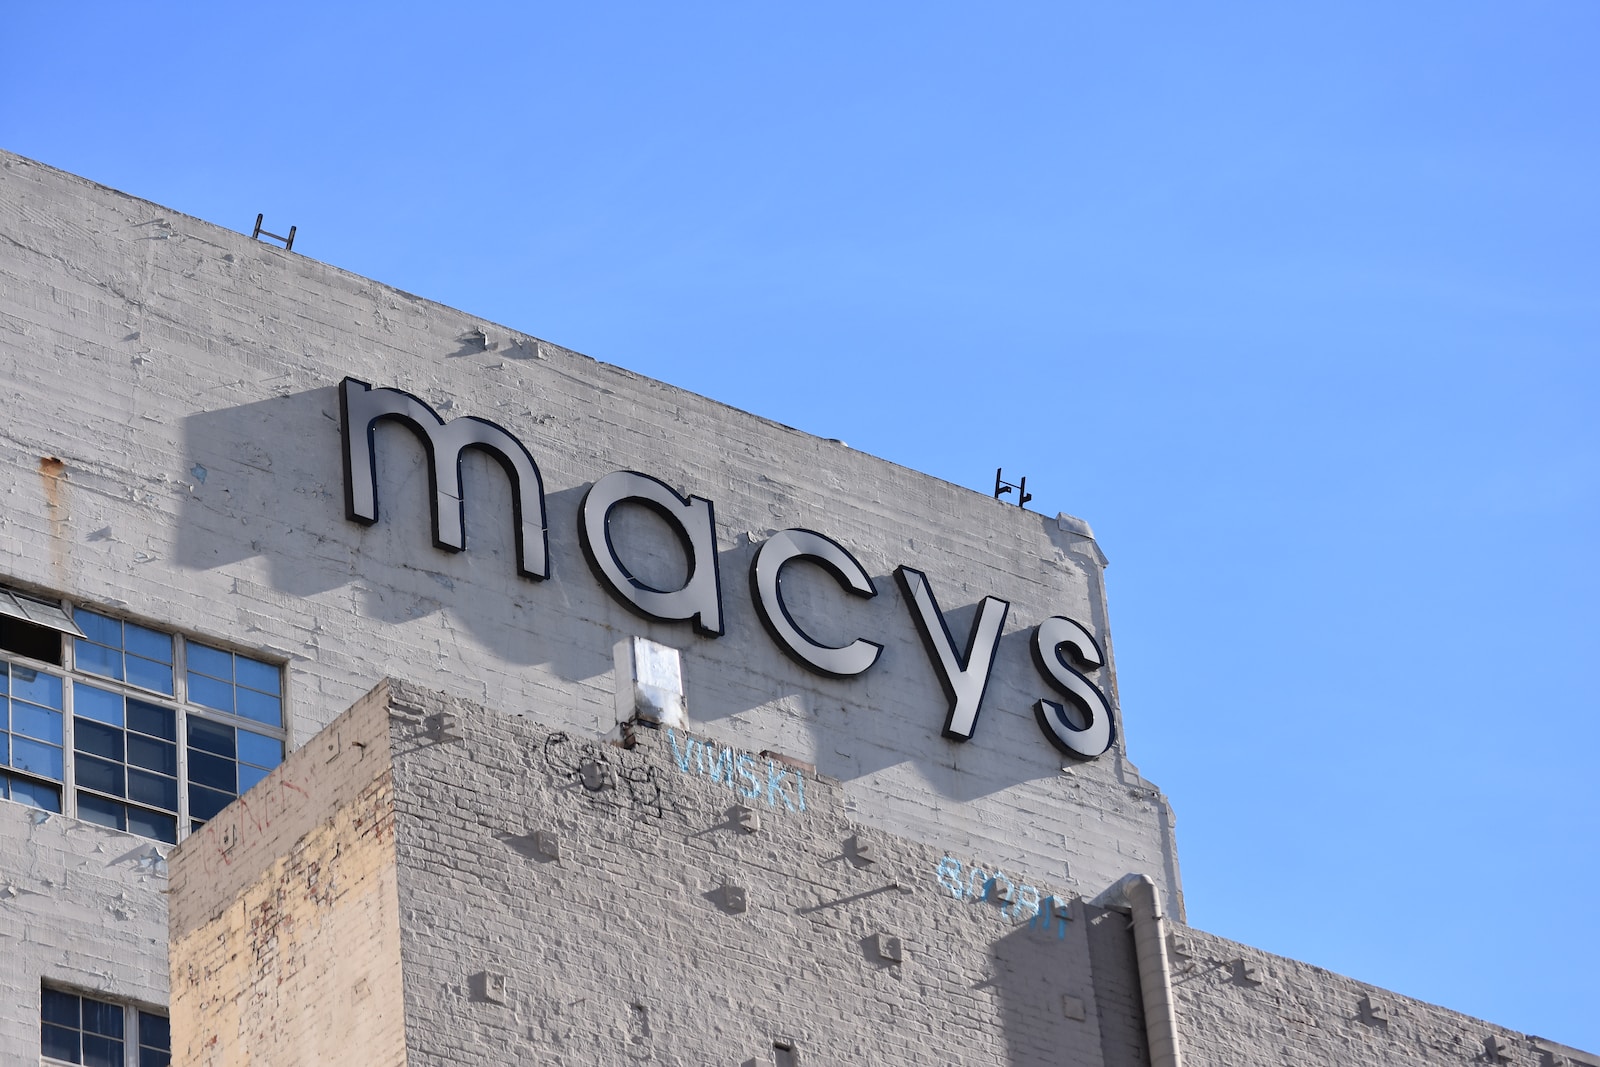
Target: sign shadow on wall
(269, 500)
(269, 487)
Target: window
(128, 726)
(100, 1033)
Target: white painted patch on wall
(649, 683)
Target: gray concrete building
(469, 700)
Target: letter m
(362, 407)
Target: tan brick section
(285, 917)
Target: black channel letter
(700, 599)
(964, 677)
(766, 583)
(362, 407)
(1052, 636)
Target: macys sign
(1063, 649)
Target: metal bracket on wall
(259, 233)
(1002, 487)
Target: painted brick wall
(566, 902)
(1241, 1007)
(172, 450)
(530, 895)
(81, 908)
(285, 918)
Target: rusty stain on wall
(53, 473)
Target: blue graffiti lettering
(684, 755)
(1027, 901)
(949, 874)
(739, 772)
(747, 772)
(976, 885)
(775, 790)
(1053, 910)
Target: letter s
(1081, 742)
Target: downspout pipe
(1155, 971)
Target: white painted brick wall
(625, 947)
(1241, 1007)
(81, 908)
(185, 378)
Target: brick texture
(285, 918)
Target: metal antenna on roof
(1001, 488)
(288, 242)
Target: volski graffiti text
(977, 885)
(782, 786)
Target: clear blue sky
(1300, 308)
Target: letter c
(766, 583)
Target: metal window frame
(70, 674)
(130, 1021)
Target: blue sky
(1298, 307)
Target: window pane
(155, 1030)
(152, 719)
(156, 790)
(249, 776)
(210, 692)
(5, 677)
(260, 707)
(5, 750)
(210, 736)
(36, 758)
(153, 824)
(101, 1052)
(99, 628)
(98, 659)
(102, 1018)
(61, 1044)
(45, 797)
(97, 740)
(36, 686)
(149, 674)
(211, 661)
(97, 704)
(151, 644)
(102, 812)
(60, 1008)
(146, 752)
(258, 675)
(262, 751)
(100, 775)
(213, 771)
(205, 803)
(40, 723)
